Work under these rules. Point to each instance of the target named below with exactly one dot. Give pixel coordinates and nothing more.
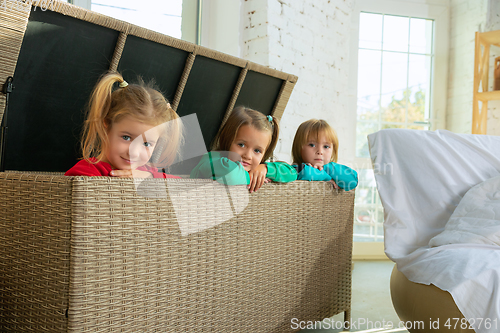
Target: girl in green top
(249, 137)
(314, 151)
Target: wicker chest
(92, 254)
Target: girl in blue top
(245, 141)
(314, 153)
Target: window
(395, 59)
(401, 50)
(176, 18)
(164, 16)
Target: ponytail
(274, 138)
(95, 128)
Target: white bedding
(421, 178)
(476, 220)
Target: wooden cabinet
(481, 69)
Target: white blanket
(421, 178)
(476, 220)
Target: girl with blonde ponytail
(125, 123)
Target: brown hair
(140, 101)
(312, 129)
(245, 116)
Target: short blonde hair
(245, 116)
(312, 129)
(108, 106)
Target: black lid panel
(60, 61)
(153, 61)
(259, 92)
(207, 93)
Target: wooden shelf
(489, 37)
(481, 68)
(488, 95)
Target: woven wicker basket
(92, 254)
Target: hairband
(270, 118)
(123, 84)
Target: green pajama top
(227, 172)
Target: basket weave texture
(91, 254)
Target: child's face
(126, 153)
(250, 144)
(317, 151)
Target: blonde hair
(245, 116)
(312, 129)
(108, 106)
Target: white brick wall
(255, 37)
(310, 39)
(467, 17)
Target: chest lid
(57, 52)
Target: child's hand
(257, 177)
(131, 174)
(335, 186)
(316, 166)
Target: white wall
(255, 39)
(221, 24)
(467, 17)
(493, 23)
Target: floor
(371, 300)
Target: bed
(447, 271)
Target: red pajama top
(87, 168)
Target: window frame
(437, 10)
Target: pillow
(422, 176)
(476, 220)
